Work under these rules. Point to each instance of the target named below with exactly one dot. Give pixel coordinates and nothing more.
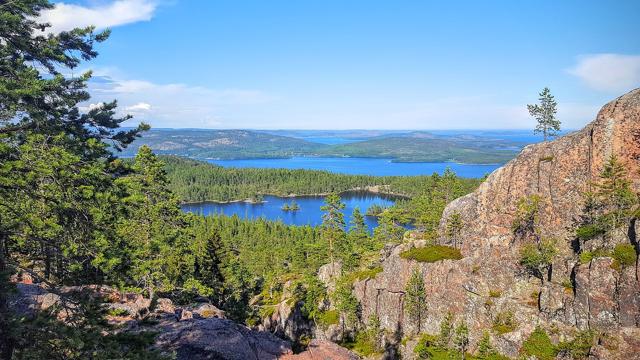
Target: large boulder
(215, 338)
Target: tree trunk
(6, 340)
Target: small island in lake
(375, 210)
(293, 206)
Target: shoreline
(374, 189)
(392, 160)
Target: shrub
(579, 347)
(432, 253)
(539, 344)
(526, 219)
(625, 254)
(537, 257)
(329, 317)
(428, 348)
(589, 231)
(567, 284)
(504, 322)
(495, 293)
(117, 312)
(486, 351)
(361, 345)
(587, 256)
(195, 286)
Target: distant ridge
(410, 146)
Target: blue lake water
(361, 166)
(309, 213)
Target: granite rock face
(489, 281)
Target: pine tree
(56, 174)
(446, 327)
(390, 227)
(415, 302)
(153, 224)
(485, 349)
(614, 193)
(610, 205)
(545, 114)
(358, 229)
(461, 338)
(333, 222)
(454, 228)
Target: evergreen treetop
(545, 113)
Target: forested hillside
(222, 144)
(246, 144)
(195, 181)
(416, 148)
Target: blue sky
(338, 64)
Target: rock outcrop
(215, 338)
(489, 282)
(194, 332)
(323, 350)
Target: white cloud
(139, 107)
(178, 105)
(608, 72)
(90, 107)
(68, 16)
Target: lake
(361, 166)
(309, 213)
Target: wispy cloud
(608, 72)
(68, 16)
(177, 105)
(139, 107)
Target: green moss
(432, 253)
(546, 158)
(539, 344)
(366, 274)
(329, 317)
(495, 293)
(625, 254)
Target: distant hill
(424, 148)
(410, 146)
(223, 144)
